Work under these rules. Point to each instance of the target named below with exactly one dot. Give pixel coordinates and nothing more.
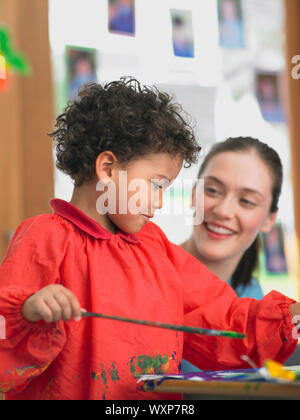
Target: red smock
(142, 276)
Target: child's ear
(269, 223)
(105, 163)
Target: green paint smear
(247, 388)
(103, 375)
(147, 363)
(94, 376)
(114, 373)
(132, 367)
(257, 386)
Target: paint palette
(271, 372)
(273, 381)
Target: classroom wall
(148, 55)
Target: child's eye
(157, 186)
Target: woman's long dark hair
(249, 261)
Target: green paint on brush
(182, 328)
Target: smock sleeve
(31, 262)
(211, 303)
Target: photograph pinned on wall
(273, 243)
(231, 24)
(183, 37)
(268, 93)
(121, 17)
(81, 68)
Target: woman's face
(237, 201)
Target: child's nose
(158, 200)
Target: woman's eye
(211, 190)
(248, 203)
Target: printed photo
(81, 68)
(231, 24)
(274, 251)
(121, 14)
(183, 37)
(269, 98)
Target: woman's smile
(217, 231)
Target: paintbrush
(182, 328)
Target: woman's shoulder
(251, 290)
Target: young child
(119, 263)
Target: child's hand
(51, 304)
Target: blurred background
(234, 65)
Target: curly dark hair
(128, 119)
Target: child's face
(139, 189)
(237, 201)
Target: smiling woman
(242, 185)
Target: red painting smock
(142, 276)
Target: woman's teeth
(219, 230)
